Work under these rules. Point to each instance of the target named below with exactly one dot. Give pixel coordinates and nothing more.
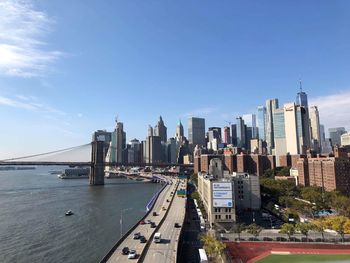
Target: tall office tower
(261, 122)
(150, 130)
(301, 100)
(161, 130)
(250, 121)
(315, 129)
(172, 150)
(297, 131)
(153, 151)
(118, 143)
(271, 105)
(179, 130)
(234, 134)
(335, 134)
(196, 131)
(134, 151)
(240, 133)
(322, 135)
(279, 134)
(214, 133)
(227, 135)
(345, 139)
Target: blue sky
(68, 68)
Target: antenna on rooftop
(300, 86)
(116, 118)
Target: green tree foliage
(288, 229)
(284, 171)
(339, 224)
(254, 230)
(320, 225)
(304, 229)
(212, 246)
(238, 228)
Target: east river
(33, 225)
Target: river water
(33, 225)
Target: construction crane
(229, 123)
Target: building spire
(300, 86)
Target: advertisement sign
(222, 186)
(222, 194)
(222, 203)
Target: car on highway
(177, 225)
(154, 213)
(148, 221)
(125, 250)
(142, 222)
(132, 254)
(143, 239)
(137, 235)
(153, 225)
(163, 208)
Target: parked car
(137, 235)
(132, 254)
(143, 239)
(125, 250)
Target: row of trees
(340, 224)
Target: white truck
(157, 237)
(202, 256)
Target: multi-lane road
(160, 207)
(166, 250)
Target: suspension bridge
(90, 154)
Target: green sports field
(305, 258)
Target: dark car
(176, 225)
(125, 250)
(143, 239)
(154, 213)
(153, 225)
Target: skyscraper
(234, 134)
(196, 131)
(153, 149)
(118, 143)
(179, 130)
(250, 121)
(261, 122)
(271, 105)
(301, 100)
(161, 130)
(335, 134)
(241, 133)
(279, 134)
(227, 135)
(315, 129)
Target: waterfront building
(161, 130)
(134, 151)
(196, 131)
(315, 129)
(153, 149)
(172, 150)
(261, 122)
(240, 132)
(335, 134)
(345, 139)
(271, 106)
(227, 135)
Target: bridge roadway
(145, 229)
(166, 251)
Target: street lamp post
(121, 220)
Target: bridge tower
(100, 143)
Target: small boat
(69, 213)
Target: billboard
(222, 203)
(222, 186)
(222, 194)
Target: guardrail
(149, 241)
(110, 253)
(182, 228)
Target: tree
(304, 228)
(285, 171)
(212, 246)
(320, 225)
(288, 229)
(254, 230)
(339, 224)
(341, 204)
(238, 228)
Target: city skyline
(58, 86)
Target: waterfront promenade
(166, 251)
(145, 229)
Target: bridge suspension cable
(47, 153)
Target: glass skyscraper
(261, 119)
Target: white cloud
(334, 109)
(23, 52)
(29, 103)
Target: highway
(166, 251)
(145, 229)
